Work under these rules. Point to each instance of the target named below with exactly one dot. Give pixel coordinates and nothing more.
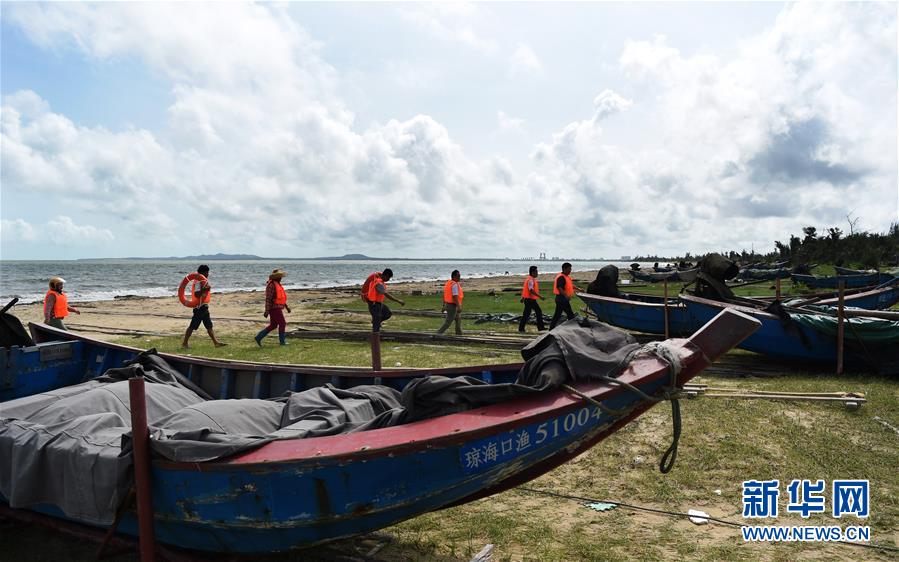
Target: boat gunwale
(617, 300)
(432, 433)
(287, 368)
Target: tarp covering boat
(70, 447)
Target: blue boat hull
(876, 299)
(25, 371)
(301, 492)
(303, 503)
(792, 340)
(849, 281)
(641, 313)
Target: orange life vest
(196, 286)
(448, 292)
(373, 294)
(527, 293)
(569, 286)
(60, 307)
(280, 293)
(367, 285)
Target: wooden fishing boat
(26, 368)
(682, 276)
(879, 298)
(804, 337)
(641, 313)
(296, 493)
(849, 281)
(848, 271)
(763, 274)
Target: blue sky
(500, 129)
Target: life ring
(194, 300)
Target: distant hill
(220, 256)
(347, 257)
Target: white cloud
(524, 61)
(60, 230)
(449, 21)
(751, 147)
(508, 123)
(17, 230)
(259, 154)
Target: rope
(677, 514)
(669, 354)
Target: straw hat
(276, 274)
(56, 281)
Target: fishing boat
(748, 274)
(849, 281)
(683, 276)
(26, 368)
(641, 313)
(296, 493)
(809, 336)
(879, 298)
(646, 313)
(848, 271)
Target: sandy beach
(166, 315)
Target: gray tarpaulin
(71, 447)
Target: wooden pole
(376, 351)
(666, 307)
(777, 288)
(840, 328)
(141, 458)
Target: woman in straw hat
(275, 304)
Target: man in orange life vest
(564, 288)
(452, 302)
(203, 291)
(530, 292)
(374, 291)
(56, 305)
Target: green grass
(242, 347)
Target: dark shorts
(201, 316)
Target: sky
(581, 130)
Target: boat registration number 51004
(485, 453)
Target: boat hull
(641, 313)
(298, 493)
(849, 281)
(25, 371)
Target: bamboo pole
(141, 458)
(666, 308)
(840, 328)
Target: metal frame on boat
(297, 493)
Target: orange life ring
(194, 300)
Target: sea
(99, 280)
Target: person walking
(56, 304)
(275, 304)
(375, 295)
(452, 302)
(530, 292)
(563, 288)
(202, 290)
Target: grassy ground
(724, 442)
